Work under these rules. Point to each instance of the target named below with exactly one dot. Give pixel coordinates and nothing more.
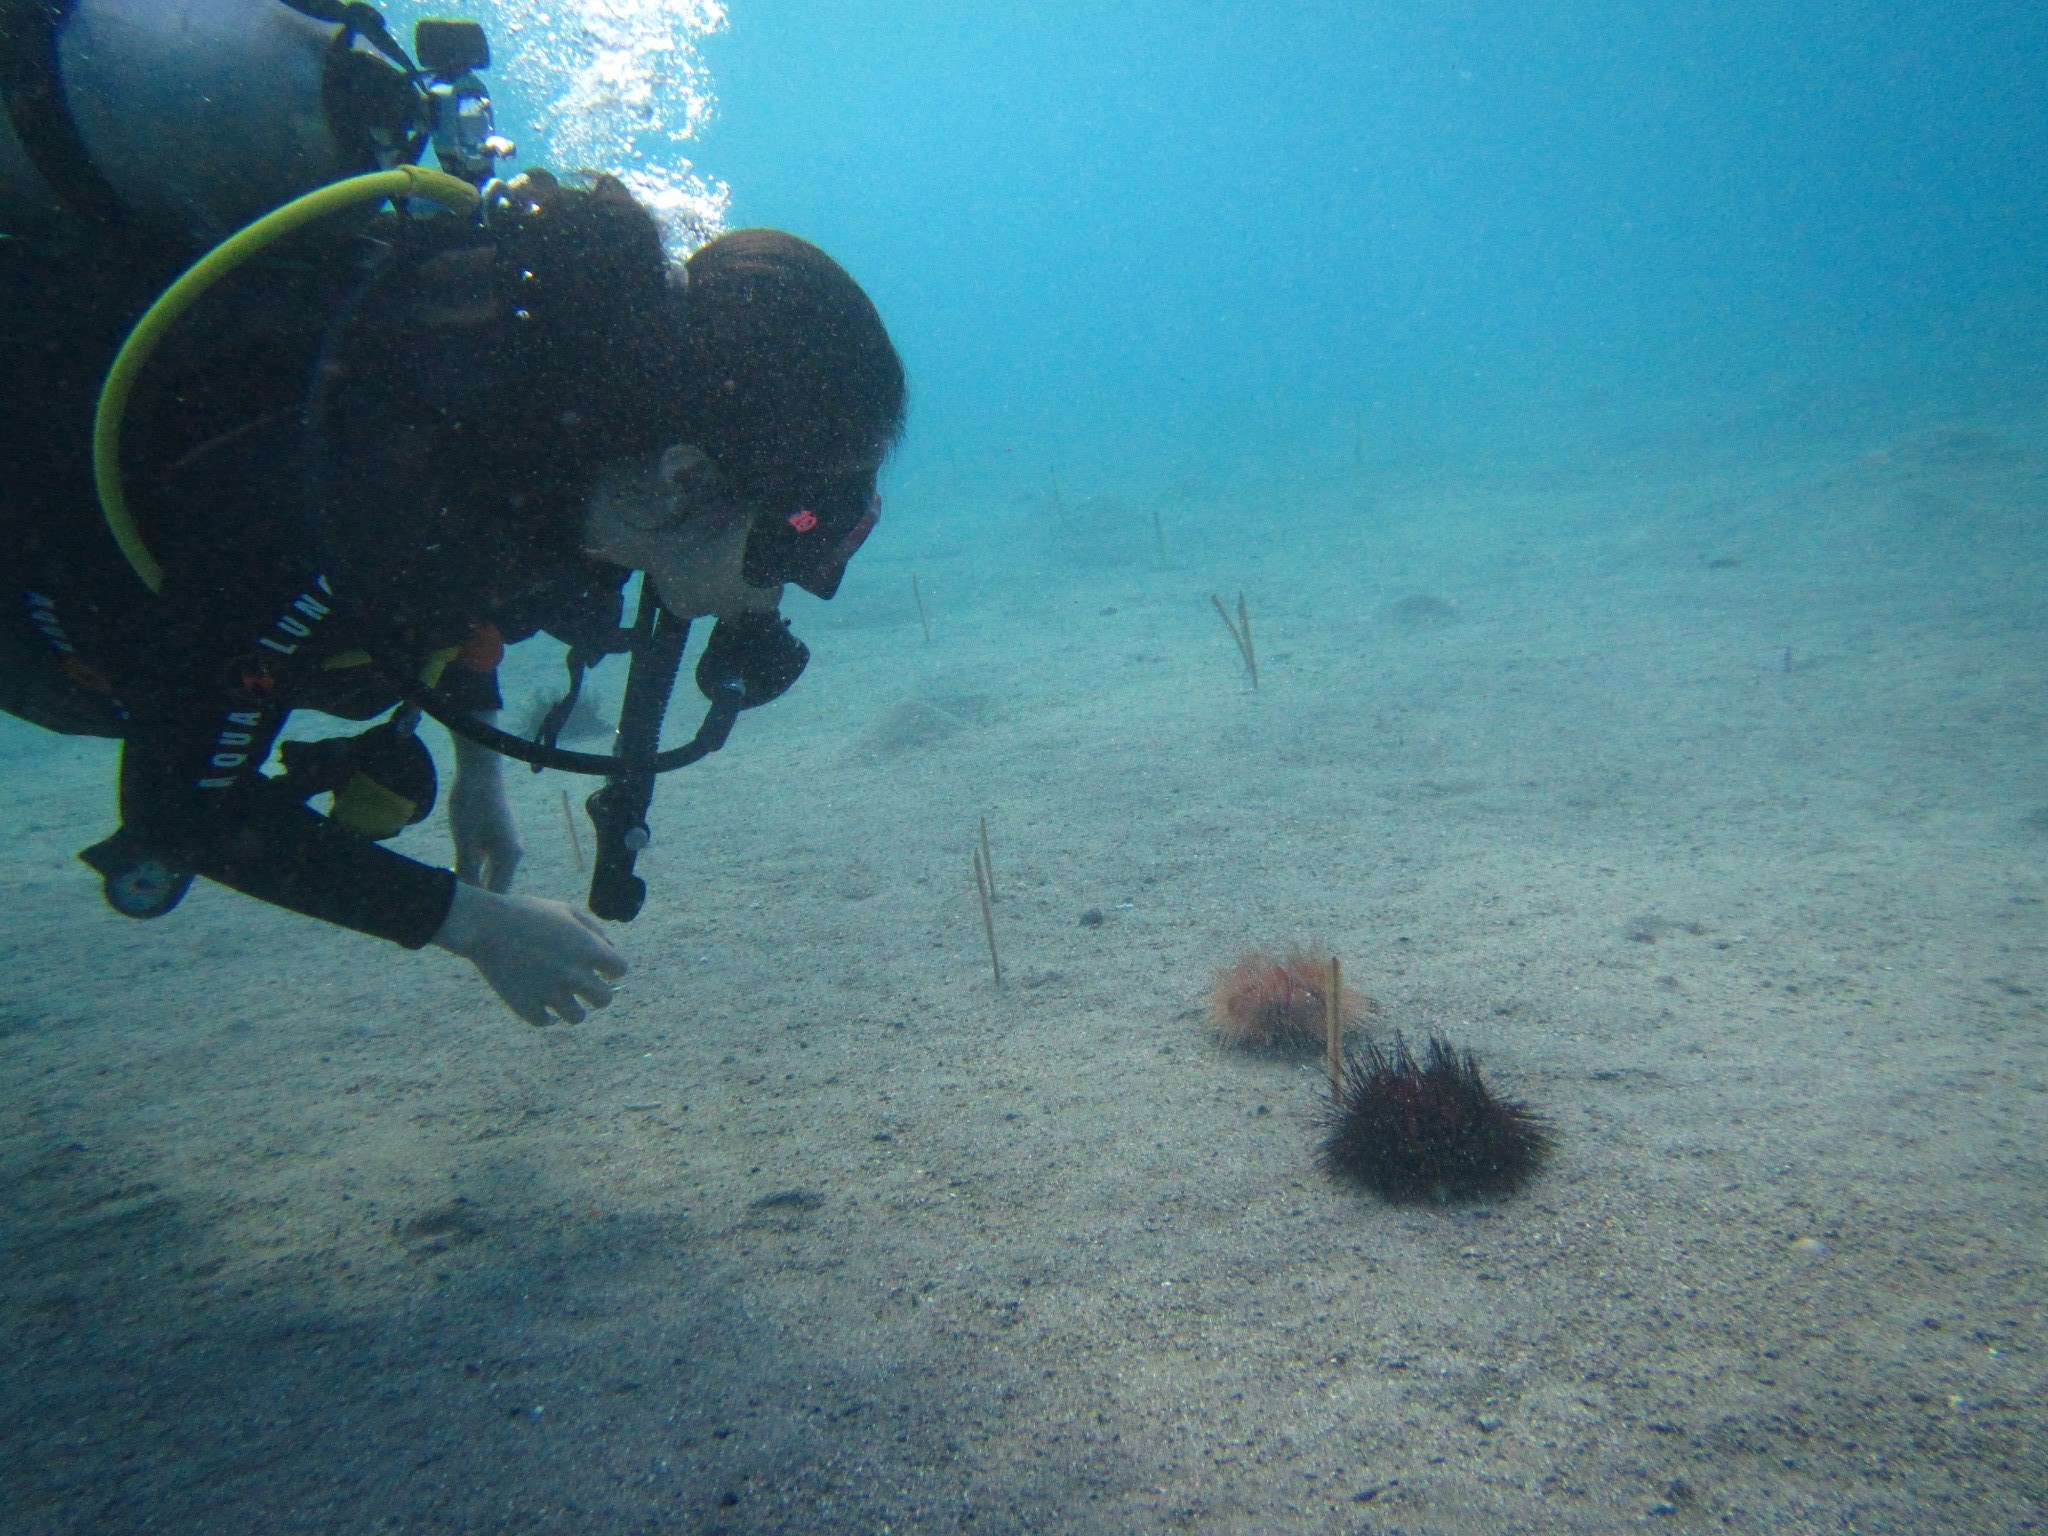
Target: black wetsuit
(354, 415)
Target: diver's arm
(255, 837)
(210, 701)
(487, 848)
(546, 959)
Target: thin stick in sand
(1333, 1027)
(1243, 636)
(575, 842)
(1159, 534)
(988, 862)
(988, 917)
(922, 622)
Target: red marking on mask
(804, 521)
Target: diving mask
(808, 537)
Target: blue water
(1174, 230)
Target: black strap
(33, 91)
(356, 19)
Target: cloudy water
(1545, 509)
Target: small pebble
(1092, 918)
(788, 1200)
(1813, 1247)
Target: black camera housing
(451, 48)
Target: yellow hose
(451, 192)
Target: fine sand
(1706, 804)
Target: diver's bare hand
(546, 959)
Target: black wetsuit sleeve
(192, 789)
(257, 840)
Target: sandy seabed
(1707, 805)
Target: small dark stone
(789, 1200)
(728, 1498)
(1092, 918)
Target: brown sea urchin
(1428, 1130)
(1263, 1002)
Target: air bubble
(619, 86)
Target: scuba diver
(403, 419)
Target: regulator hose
(405, 181)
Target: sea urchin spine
(1414, 1130)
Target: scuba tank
(189, 118)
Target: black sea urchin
(1428, 1130)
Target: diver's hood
(493, 388)
(456, 426)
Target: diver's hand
(487, 849)
(546, 959)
